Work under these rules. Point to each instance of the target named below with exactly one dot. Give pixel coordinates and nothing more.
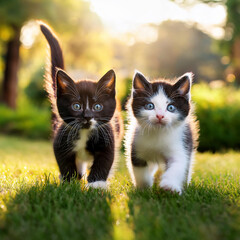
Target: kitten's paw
(170, 186)
(143, 177)
(97, 184)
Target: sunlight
(210, 19)
(147, 34)
(28, 33)
(126, 16)
(123, 16)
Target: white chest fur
(80, 146)
(159, 145)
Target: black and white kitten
(86, 123)
(161, 132)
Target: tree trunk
(10, 79)
(236, 59)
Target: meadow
(34, 204)
(151, 36)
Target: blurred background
(160, 38)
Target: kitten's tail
(55, 61)
(56, 51)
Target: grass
(35, 205)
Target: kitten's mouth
(160, 123)
(86, 124)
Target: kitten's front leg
(175, 174)
(101, 167)
(144, 176)
(143, 172)
(67, 165)
(66, 159)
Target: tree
(170, 56)
(14, 14)
(230, 44)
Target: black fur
(69, 123)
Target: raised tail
(56, 51)
(55, 61)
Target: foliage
(28, 121)
(72, 16)
(217, 110)
(14, 13)
(35, 91)
(219, 117)
(35, 205)
(178, 48)
(230, 43)
(85, 42)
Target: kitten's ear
(183, 85)
(107, 82)
(63, 81)
(141, 83)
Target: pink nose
(159, 117)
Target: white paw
(144, 176)
(170, 186)
(97, 184)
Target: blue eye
(171, 108)
(98, 107)
(76, 107)
(149, 106)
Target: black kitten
(86, 123)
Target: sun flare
(127, 16)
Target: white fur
(82, 168)
(144, 176)
(160, 102)
(80, 146)
(93, 124)
(87, 105)
(161, 144)
(97, 184)
(84, 158)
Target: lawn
(35, 205)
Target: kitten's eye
(76, 107)
(171, 108)
(98, 107)
(149, 106)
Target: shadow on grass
(201, 212)
(58, 211)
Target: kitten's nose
(86, 123)
(159, 117)
(87, 118)
(87, 115)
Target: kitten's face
(86, 104)
(161, 104)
